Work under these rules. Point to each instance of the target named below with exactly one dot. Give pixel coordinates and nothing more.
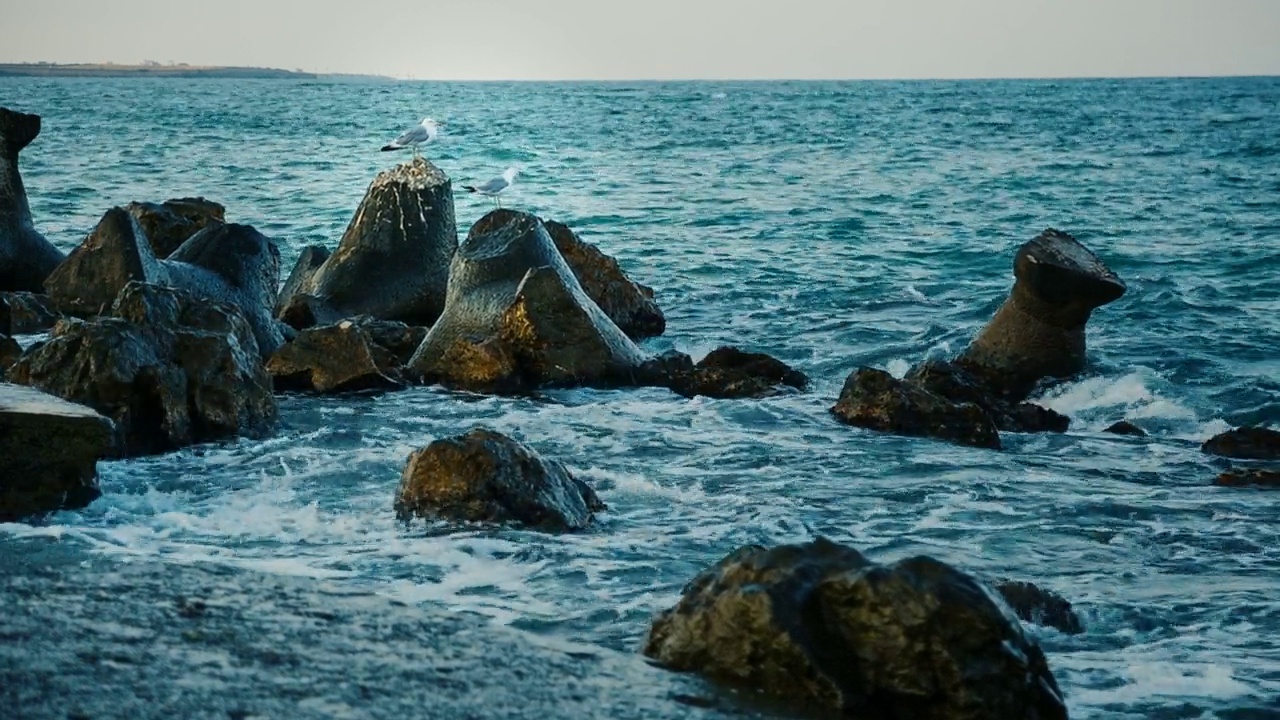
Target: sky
(661, 39)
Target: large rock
(1039, 332)
(875, 400)
(629, 304)
(484, 476)
(823, 626)
(23, 313)
(393, 260)
(514, 305)
(26, 258)
(332, 359)
(49, 450)
(169, 224)
(225, 263)
(169, 368)
(10, 351)
(1245, 443)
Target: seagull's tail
(392, 146)
(468, 188)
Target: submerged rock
(23, 313)
(1124, 427)
(26, 258)
(333, 359)
(169, 368)
(1034, 604)
(822, 625)
(1039, 331)
(875, 400)
(515, 308)
(393, 260)
(629, 304)
(224, 263)
(484, 476)
(728, 372)
(1245, 477)
(169, 224)
(1245, 443)
(49, 450)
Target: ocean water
(830, 224)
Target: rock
(290, 301)
(958, 385)
(514, 303)
(728, 372)
(10, 351)
(1124, 427)
(333, 359)
(875, 400)
(1039, 332)
(629, 304)
(49, 450)
(1241, 477)
(1034, 604)
(302, 311)
(398, 340)
(23, 313)
(484, 476)
(225, 263)
(822, 626)
(1245, 443)
(169, 368)
(169, 224)
(393, 260)
(26, 258)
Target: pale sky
(661, 39)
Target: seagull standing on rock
(423, 133)
(493, 188)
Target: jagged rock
(297, 309)
(10, 351)
(728, 372)
(397, 341)
(875, 400)
(821, 625)
(1034, 604)
(23, 313)
(49, 450)
(169, 368)
(484, 476)
(1245, 443)
(169, 224)
(226, 263)
(514, 303)
(956, 384)
(629, 304)
(1124, 427)
(1244, 477)
(393, 260)
(26, 258)
(1039, 331)
(333, 359)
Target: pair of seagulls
(425, 133)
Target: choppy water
(830, 224)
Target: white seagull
(423, 133)
(493, 188)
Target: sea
(831, 224)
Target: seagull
(423, 133)
(493, 188)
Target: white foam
(1146, 681)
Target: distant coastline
(112, 70)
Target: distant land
(180, 70)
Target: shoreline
(111, 70)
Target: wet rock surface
(954, 383)
(823, 626)
(10, 351)
(1245, 443)
(170, 369)
(728, 372)
(875, 400)
(49, 450)
(169, 224)
(294, 307)
(1039, 332)
(484, 476)
(26, 257)
(24, 313)
(393, 260)
(629, 304)
(331, 359)
(1034, 604)
(1124, 427)
(1249, 477)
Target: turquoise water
(830, 224)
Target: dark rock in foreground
(49, 450)
(169, 224)
(1034, 604)
(10, 351)
(1245, 443)
(170, 369)
(332, 359)
(26, 258)
(629, 304)
(1245, 477)
(875, 400)
(1124, 427)
(484, 476)
(23, 313)
(393, 260)
(728, 372)
(1039, 332)
(821, 625)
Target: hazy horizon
(663, 39)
